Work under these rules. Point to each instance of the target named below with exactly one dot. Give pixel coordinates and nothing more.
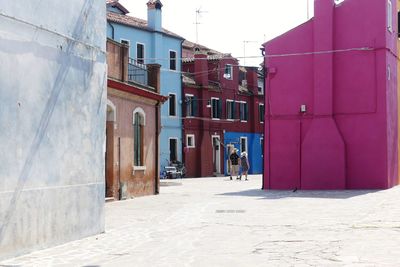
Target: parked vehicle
(174, 170)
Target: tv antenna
(198, 15)
(244, 50)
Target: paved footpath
(217, 222)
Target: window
(138, 125)
(172, 104)
(191, 105)
(260, 87)
(140, 53)
(243, 111)
(172, 60)
(216, 108)
(128, 43)
(230, 109)
(243, 144)
(261, 112)
(190, 141)
(389, 16)
(228, 72)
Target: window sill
(139, 168)
(215, 119)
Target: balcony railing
(137, 72)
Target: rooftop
(135, 22)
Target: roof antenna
(198, 15)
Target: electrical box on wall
(303, 108)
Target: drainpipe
(157, 176)
(112, 30)
(182, 107)
(264, 72)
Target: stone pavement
(217, 222)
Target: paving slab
(218, 222)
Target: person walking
(234, 158)
(244, 164)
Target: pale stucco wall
(52, 121)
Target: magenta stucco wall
(347, 138)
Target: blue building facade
(252, 143)
(149, 43)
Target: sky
(238, 27)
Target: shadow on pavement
(276, 194)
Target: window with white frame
(390, 16)
(230, 109)
(228, 72)
(244, 111)
(243, 144)
(190, 142)
(140, 53)
(172, 60)
(191, 105)
(261, 112)
(172, 105)
(138, 136)
(260, 86)
(216, 108)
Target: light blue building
(252, 143)
(150, 43)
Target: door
(216, 154)
(229, 150)
(173, 149)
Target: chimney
(252, 80)
(200, 68)
(154, 76)
(154, 15)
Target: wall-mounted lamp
(208, 104)
(303, 108)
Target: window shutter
(246, 116)
(219, 108)
(233, 110)
(195, 107)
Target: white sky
(225, 25)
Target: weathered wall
(52, 120)
(347, 138)
(140, 182)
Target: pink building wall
(347, 138)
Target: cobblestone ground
(217, 222)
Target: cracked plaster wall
(52, 121)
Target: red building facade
(219, 97)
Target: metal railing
(137, 72)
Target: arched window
(138, 125)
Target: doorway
(173, 149)
(216, 154)
(229, 150)
(109, 153)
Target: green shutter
(219, 108)
(246, 112)
(233, 109)
(195, 107)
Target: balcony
(137, 72)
